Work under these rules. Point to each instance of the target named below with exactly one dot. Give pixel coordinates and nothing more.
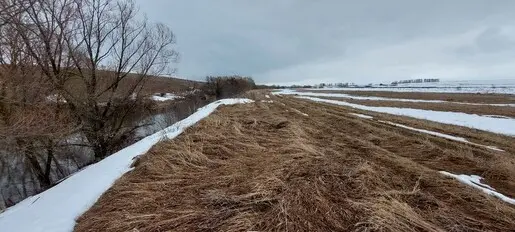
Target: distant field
(452, 97)
(481, 104)
(291, 164)
(469, 86)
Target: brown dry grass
(76, 86)
(267, 167)
(152, 85)
(456, 97)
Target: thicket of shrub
(227, 86)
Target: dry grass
(456, 97)
(151, 85)
(76, 86)
(265, 167)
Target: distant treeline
(346, 84)
(283, 86)
(416, 81)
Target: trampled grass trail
(287, 164)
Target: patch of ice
(438, 134)
(475, 181)
(165, 97)
(56, 209)
(496, 125)
(362, 116)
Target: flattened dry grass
(265, 167)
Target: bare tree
(97, 55)
(30, 126)
(10, 9)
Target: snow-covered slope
(56, 209)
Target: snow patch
(506, 86)
(497, 116)
(264, 101)
(165, 97)
(481, 90)
(56, 98)
(300, 112)
(362, 116)
(446, 136)
(267, 96)
(56, 209)
(343, 95)
(475, 181)
(496, 125)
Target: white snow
(165, 97)
(267, 96)
(300, 112)
(265, 101)
(56, 209)
(348, 96)
(497, 116)
(56, 98)
(446, 86)
(362, 116)
(446, 136)
(496, 125)
(343, 95)
(475, 181)
(481, 90)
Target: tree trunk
(100, 151)
(43, 179)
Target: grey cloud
(287, 41)
(493, 40)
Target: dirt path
(295, 165)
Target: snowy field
(353, 97)
(500, 125)
(468, 86)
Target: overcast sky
(308, 41)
